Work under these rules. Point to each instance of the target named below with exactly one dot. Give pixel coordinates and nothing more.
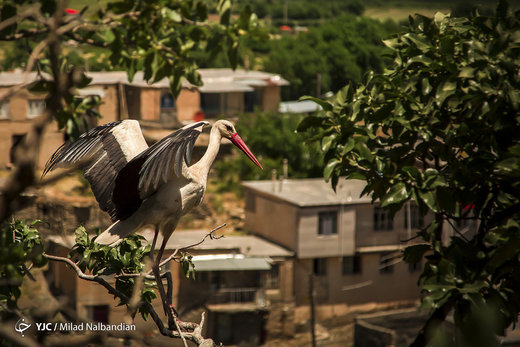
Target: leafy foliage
(20, 248)
(441, 126)
(340, 50)
(128, 257)
(302, 11)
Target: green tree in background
(340, 51)
(271, 137)
(442, 126)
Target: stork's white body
(164, 208)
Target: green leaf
(326, 142)
(429, 198)
(309, 122)
(327, 106)
(413, 254)
(396, 195)
(245, 16)
(329, 168)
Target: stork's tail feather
(114, 234)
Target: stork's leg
(165, 300)
(152, 251)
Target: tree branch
(193, 330)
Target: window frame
(4, 106)
(167, 93)
(354, 267)
(417, 220)
(319, 267)
(379, 224)
(30, 114)
(321, 218)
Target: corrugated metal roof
(218, 263)
(312, 192)
(224, 87)
(249, 246)
(304, 106)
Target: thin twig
(210, 235)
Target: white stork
(141, 186)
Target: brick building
(225, 93)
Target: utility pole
(313, 311)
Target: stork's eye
(229, 128)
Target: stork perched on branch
(141, 186)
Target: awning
(224, 87)
(220, 262)
(304, 106)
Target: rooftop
(312, 191)
(247, 245)
(214, 80)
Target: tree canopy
(441, 126)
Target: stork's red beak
(237, 141)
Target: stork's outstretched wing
(146, 172)
(102, 153)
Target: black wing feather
(72, 152)
(158, 164)
(99, 153)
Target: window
(252, 99)
(98, 313)
(386, 263)
(417, 220)
(351, 264)
(327, 223)
(35, 108)
(382, 220)
(4, 110)
(167, 101)
(319, 266)
(210, 104)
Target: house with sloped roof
(348, 247)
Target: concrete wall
(150, 103)
(371, 285)
(273, 219)
(313, 245)
(271, 98)
(19, 124)
(109, 108)
(187, 104)
(367, 236)
(368, 286)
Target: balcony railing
(238, 296)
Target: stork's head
(227, 130)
